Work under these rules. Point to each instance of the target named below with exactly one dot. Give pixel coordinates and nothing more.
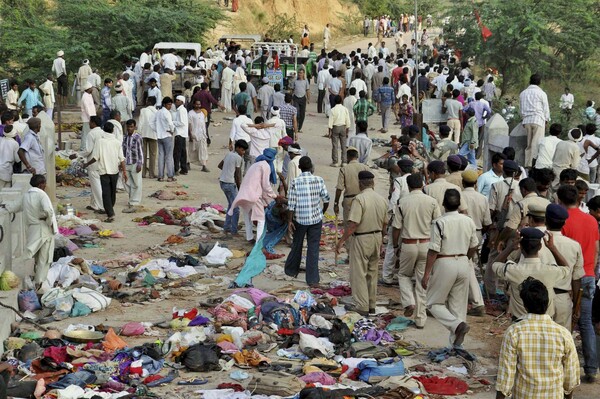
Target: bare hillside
(254, 15)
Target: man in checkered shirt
(308, 199)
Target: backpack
(275, 383)
(201, 357)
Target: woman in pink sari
(256, 193)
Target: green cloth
(471, 132)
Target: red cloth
(152, 378)
(342, 290)
(56, 353)
(228, 385)
(285, 331)
(443, 386)
(583, 228)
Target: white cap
(180, 98)
(86, 61)
(275, 111)
(445, 70)
(294, 150)
(60, 53)
(86, 86)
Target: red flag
(485, 32)
(276, 61)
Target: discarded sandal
(193, 381)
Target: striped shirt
(305, 196)
(363, 109)
(534, 106)
(538, 360)
(132, 148)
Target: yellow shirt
(339, 116)
(538, 360)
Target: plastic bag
(218, 255)
(28, 300)
(201, 357)
(112, 342)
(373, 371)
(80, 309)
(132, 329)
(93, 299)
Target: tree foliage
(552, 37)
(394, 8)
(104, 31)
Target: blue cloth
(31, 98)
(80, 378)
(276, 228)
(385, 95)
(465, 151)
(372, 368)
(254, 265)
(586, 328)
(269, 156)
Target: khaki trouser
(4, 183)
(447, 293)
(412, 263)
(338, 139)
(134, 185)
(535, 133)
(454, 124)
(563, 310)
(150, 149)
(346, 204)
(364, 258)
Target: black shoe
(460, 332)
(588, 379)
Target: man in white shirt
(47, 89)
(371, 51)
(384, 51)
(260, 137)
(198, 147)
(149, 144)
(326, 36)
(278, 131)
(265, 97)
(12, 97)
(82, 76)
(93, 136)
(180, 121)
(169, 60)
(227, 87)
(566, 102)
(322, 83)
(108, 153)
(361, 142)
(547, 147)
(87, 109)
(60, 70)
(9, 154)
(349, 102)
(339, 125)
(237, 133)
(163, 124)
(535, 113)
(369, 71)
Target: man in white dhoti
(198, 148)
(227, 87)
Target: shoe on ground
(352, 308)
(409, 311)
(385, 283)
(477, 311)
(335, 165)
(129, 209)
(460, 332)
(588, 379)
(205, 169)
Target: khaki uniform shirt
(369, 211)
(348, 178)
(567, 155)
(414, 215)
(571, 251)
(453, 234)
(518, 212)
(477, 207)
(516, 273)
(438, 188)
(500, 190)
(455, 178)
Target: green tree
(105, 31)
(550, 37)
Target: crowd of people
(528, 228)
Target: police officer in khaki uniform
(439, 185)
(530, 265)
(479, 212)
(454, 173)
(400, 190)
(366, 225)
(412, 226)
(503, 196)
(348, 183)
(453, 241)
(567, 289)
